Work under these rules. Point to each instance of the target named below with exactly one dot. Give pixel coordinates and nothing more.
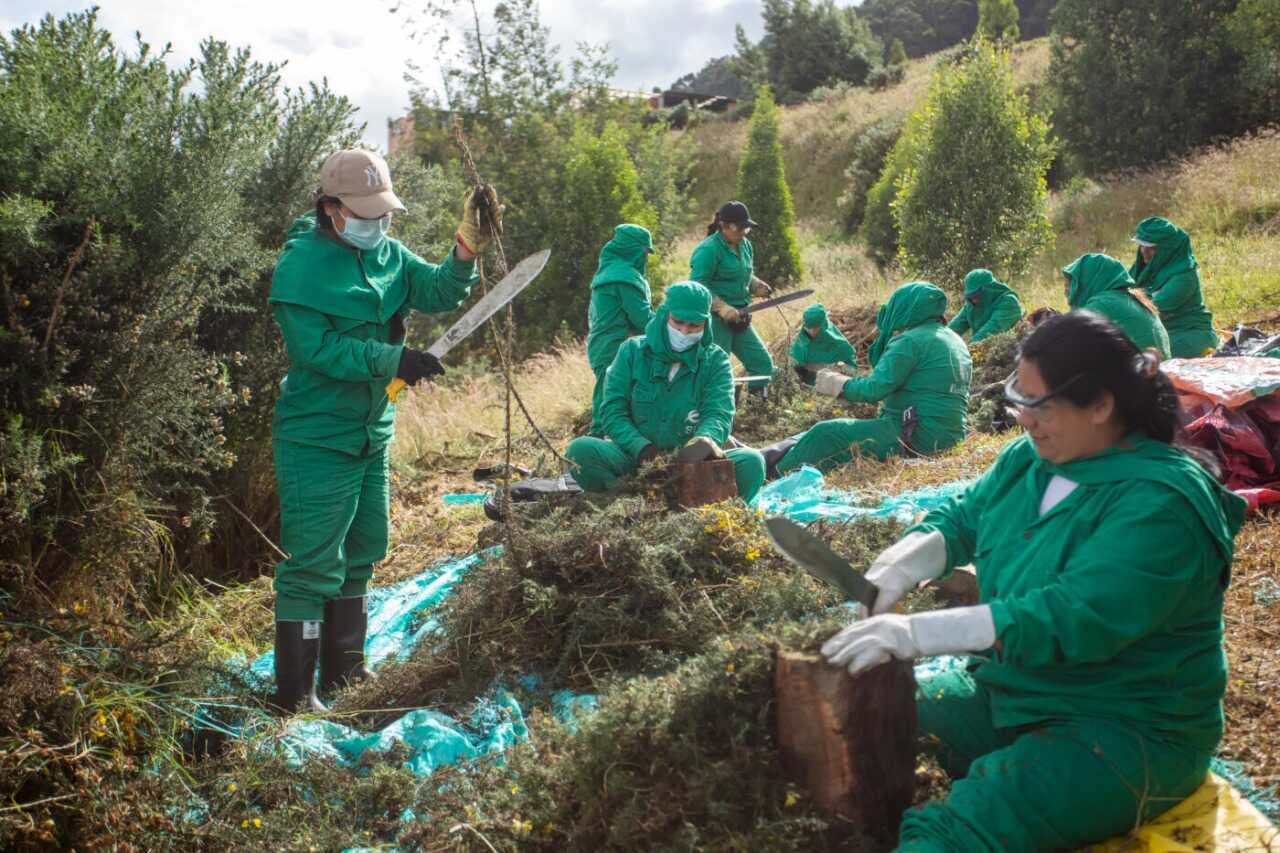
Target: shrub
(762, 186)
(998, 20)
(869, 155)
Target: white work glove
(903, 566)
(871, 642)
(830, 382)
(759, 288)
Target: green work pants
(1192, 343)
(334, 509)
(828, 444)
(747, 346)
(600, 462)
(1063, 785)
(597, 400)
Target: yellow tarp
(1216, 817)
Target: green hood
(912, 304)
(829, 346)
(985, 283)
(691, 302)
(1094, 274)
(1138, 457)
(623, 258)
(1173, 252)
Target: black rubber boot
(346, 623)
(297, 648)
(773, 455)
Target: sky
(363, 49)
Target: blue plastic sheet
(803, 496)
(464, 498)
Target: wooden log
(852, 740)
(958, 589)
(698, 483)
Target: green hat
(1093, 274)
(815, 316)
(688, 301)
(976, 280)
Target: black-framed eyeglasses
(1014, 394)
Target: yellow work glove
(479, 210)
(725, 311)
(759, 288)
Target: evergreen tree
(897, 53)
(974, 122)
(762, 186)
(998, 20)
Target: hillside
(818, 137)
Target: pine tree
(897, 52)
(762, 186)
(998, 20)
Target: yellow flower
(231, 788)
(792, 799)
(244, 824)
(515, 789)
(753, 553)
(521, 827)
(257, 823)
(729, 667)
(549, 828)
(78, 607)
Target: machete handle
(395, 388)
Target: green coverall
(996, 309)
(727, 273)
(1101, 283)
(829, 346)
(621, 304)
(1100, 705)
(333, 422)
(926, 366)
(645, 403)
(1172, 279)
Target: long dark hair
(715, 225)
(1089, 346)
(323, 222)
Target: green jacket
(621, 302)
(829, 347)
(1110, 605)
(997, 309)
(925, 365)
(1100, 283)
(335, 306)
(1173, 281)
(723, 270)
(643, 406)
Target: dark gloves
(740, 325)
(647, 454)
(806, 375)
(416, 365)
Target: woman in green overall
(669, 390)
(918, 365)
(820, 344)
(341, 292)
(990, 307)
(621, 304)
(1093, 699)
(1101, 283)
(723, 264)
(1168, 272)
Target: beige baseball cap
(361, 180)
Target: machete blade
(777, 300)
(520, 277)
(816, 557)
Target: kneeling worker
(669, 389)
(990, 307)
(820, 344)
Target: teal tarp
(803, 496)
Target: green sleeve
(313, 343)
(702, 266)
(895, 366)
(636, 308)
(716, 408)
(960, 323)
(1005, 314)
(957, 518)
(1178, 292)
(615, 411)
(1134, 570)
(434, 288)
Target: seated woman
(619, 304)
(1093, 700)
(819, 344)
(920, 374)
(990, 307)
(1168, 272)
(669, 389)
(1101, 283)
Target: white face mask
(680, 341)
(366, 234)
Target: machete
(520, 277)
(816, 557)
(777, 300)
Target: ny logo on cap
(371, 175)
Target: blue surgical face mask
(681, 341)
(366, 234)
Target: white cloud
(364, 50)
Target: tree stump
(697, 483)
(959, 589)
(851, 739)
